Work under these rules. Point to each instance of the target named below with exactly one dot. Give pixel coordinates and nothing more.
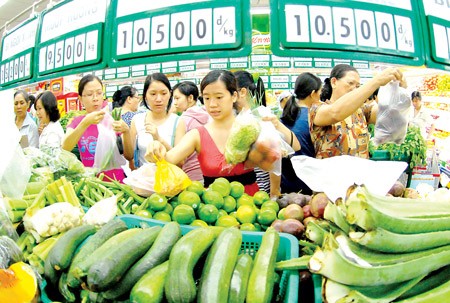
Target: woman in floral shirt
(338, 125)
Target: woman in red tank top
(219, 91)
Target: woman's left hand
(272, 118)
(152, 130)
(120, 126)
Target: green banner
(381, 31)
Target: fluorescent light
(260, 10)
(3, 2)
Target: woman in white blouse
(50, 130)
(24, 121)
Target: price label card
(176, 31)
(379, 30)
(17, 48)
(436, 27)
(71, 37)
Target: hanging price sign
(71, 37)
(379, 31)
(158, 31)
(436, 27)
(17, 50)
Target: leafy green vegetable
(117, 113)
(413, 146)
(69, 116)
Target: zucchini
(150, 288)
(108, 230)
(64, 289)
(157, 254)
(82, 268)
(180, 284)
(108, 270)
(239, 279)
(60, 255)
(218, 269)
(263, 277)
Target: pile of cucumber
(156, 264)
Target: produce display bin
(317, 281)
(288, 249)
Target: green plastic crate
(288, 249)
(251, 241)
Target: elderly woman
(24, 122)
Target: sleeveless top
(212, 163)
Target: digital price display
(17, 53)
(379, 31)
(71, 37)
(172, 30)
(436, 23)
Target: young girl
(219, 93)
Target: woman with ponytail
(295, 117)
(128, 99)
(339, 125)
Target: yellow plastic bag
(170, 180)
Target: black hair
(50, 105)
(338, 72)
(121, 95)
(374, 95)
(187, 88)
(305, 84)
(416, 94)
(23, 93)
(245, 80)
(85, 80)
(220, 75)
(200, 99)
(32, 100)
(156, 77)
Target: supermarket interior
(51, 45)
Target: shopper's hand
(272, 118)
(94, 117)
(41, 127)
(152, 129)
(155, 151)
(120, 126)
(388, 75)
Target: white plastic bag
(142, 180)
(336, 174)
(394, 105)
(107, 155)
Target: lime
(227, 221)
(233, 214)
(162, 216)
(236, 189)
(267, 216)
(229, 204)
(208, 213)
(260, 197)
(199, 223)
(245, 200)
(222, 213)
(281, 214)
(213, 197)
(221, 185)
(257, 226)
(183, 214)
(168, 209)
(196, 187)
(248, 227)
(189, 198)
(144, 213)
(246, 214)
(157, 201)
(271, 204)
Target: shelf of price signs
(436, 23)
(172, 30)
(387, 31)
(71, 37)
(17, 51)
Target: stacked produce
(151, 264)
(382, 249)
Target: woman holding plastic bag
(95, 132)
(219, 93)
(339, 124)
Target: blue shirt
(301, 130)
